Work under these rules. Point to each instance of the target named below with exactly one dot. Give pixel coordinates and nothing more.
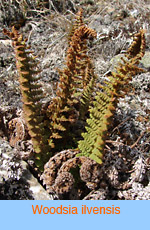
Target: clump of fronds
(31, 95)
(115, 86)
(47, 127)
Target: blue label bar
(74, 215)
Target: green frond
(96, 158)
(105, 102)
(59, 127)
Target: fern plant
(51, 128)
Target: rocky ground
(126, 168)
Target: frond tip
(137, 48)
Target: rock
(96, 23)
(38, 192)
(146, 60)
(16, 181)
(116, 60)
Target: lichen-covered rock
(16, 181)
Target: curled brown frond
(64, 110)
(65, 172)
